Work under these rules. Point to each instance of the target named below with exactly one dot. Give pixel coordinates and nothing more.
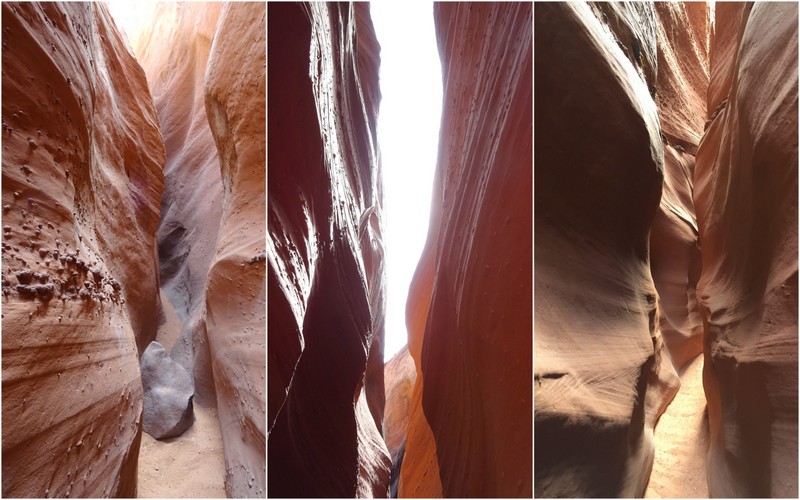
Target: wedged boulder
(168, 393)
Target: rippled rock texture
(746, 201)
(602, 374)
(468, 310)
(325, 252)
(81, 166)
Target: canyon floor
(681, 440)
(189, 466)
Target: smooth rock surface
(468, 312)
(746, 202)
(325, 252)
(235, 305)
(602, 373)
(168, 392)
(81, 177)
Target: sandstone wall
(82, 159)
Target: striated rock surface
(681, 85)
(468, 312)
(81, 167)
(168, 393)
(235, 306)
(172, 42)
(325, 252)
(746, 201)
(399, 376)
(602, 373)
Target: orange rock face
(82, 159)
(325, 254)
(746, 201)
(602, 374)
(468, 311)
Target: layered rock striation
(81, 166)
(468, 311)
(325, 253)
(746, 201)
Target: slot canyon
(665, 250)
(134, 250)
(451, 414)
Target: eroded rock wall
(746, 201)
(325, 252)
(602, 373)
(468, 311)
(235, 100)
(81, 166)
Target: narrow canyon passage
(681, 441)
(134, 257)
(465, 431)
(665, 234)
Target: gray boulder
(168, 392)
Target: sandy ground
(681, 440)
(188, 466)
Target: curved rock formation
(468, 312)
(602, 374)
(746, 201)
(168, 393)
(82, 159)
(325, 254)
(235, 98)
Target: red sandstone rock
(235, 99)
(468, 312)
(746, 200)
(172, 44)
(681, 84)
(602, 374)
(81, 167)
(325, 254)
